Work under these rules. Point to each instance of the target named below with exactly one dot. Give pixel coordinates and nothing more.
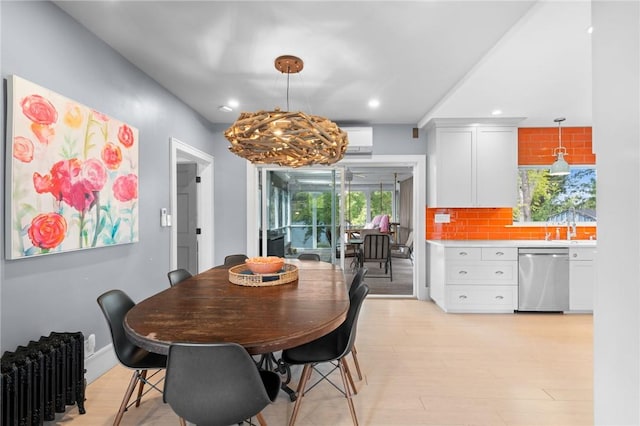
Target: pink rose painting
(73, 175)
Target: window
(356, 209)
(545, 198)
(381, 203)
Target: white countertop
(514, 243)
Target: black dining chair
(234, 259)
(217, 384)
(115, 304)
(177, 276)
(331, 347)
(309, 256)
(356, 283)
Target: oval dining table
(208, 308)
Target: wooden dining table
(208, 308)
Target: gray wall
(58, 292)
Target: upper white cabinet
(472, 164)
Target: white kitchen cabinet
(474, 279)
(472, 165)
(581, 278)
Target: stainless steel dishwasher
(543, 279)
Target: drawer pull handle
(575, 254)
(499, 253)
(462, 272)
(499, 273)
(462, 296)
(499, 297)
(463, 253)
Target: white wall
(616, 140)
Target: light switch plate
(442, 218)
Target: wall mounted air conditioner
(360, 140)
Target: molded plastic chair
(309, 256)
(178, 275)
(377, 248)
(115, 304)
(217, 384)
(356, 283)
(331, 347)
(234, 259)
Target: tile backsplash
(491, 224)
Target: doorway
(417, 163)
(202, 210)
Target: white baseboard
(100, 362)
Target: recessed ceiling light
(233, 103)
(374, 103)
(590, 29)
(496, 112)
(225, 108)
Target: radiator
(42, 378)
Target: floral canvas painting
(72, 175)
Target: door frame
(180, 153)
(419, 164)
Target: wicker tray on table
(241, 275)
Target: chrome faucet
(571, 223)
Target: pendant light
(560, 167)
(292, 139)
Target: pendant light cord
(288, 76)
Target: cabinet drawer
(582, 253)
(482, 298)
(499, 253)
(463, 253)
(495, 273)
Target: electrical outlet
(90, 345)
(442, 218)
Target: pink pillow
(376, 221)
(384, 223)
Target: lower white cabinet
(485, 279)
(581, 278)
(475, 279)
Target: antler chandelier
(286, 138)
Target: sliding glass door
(301, 212)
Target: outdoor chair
(377, 248)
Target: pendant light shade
(560, 167)
(286, 138)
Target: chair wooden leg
(343, 368)
(143, 377)
(304, 377)
(261, 419)
(354, 354)
(126, 398)
(350, 378)
(182, 422)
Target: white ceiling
(421, 59)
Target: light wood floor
(425, 367)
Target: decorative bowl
(264, 265)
